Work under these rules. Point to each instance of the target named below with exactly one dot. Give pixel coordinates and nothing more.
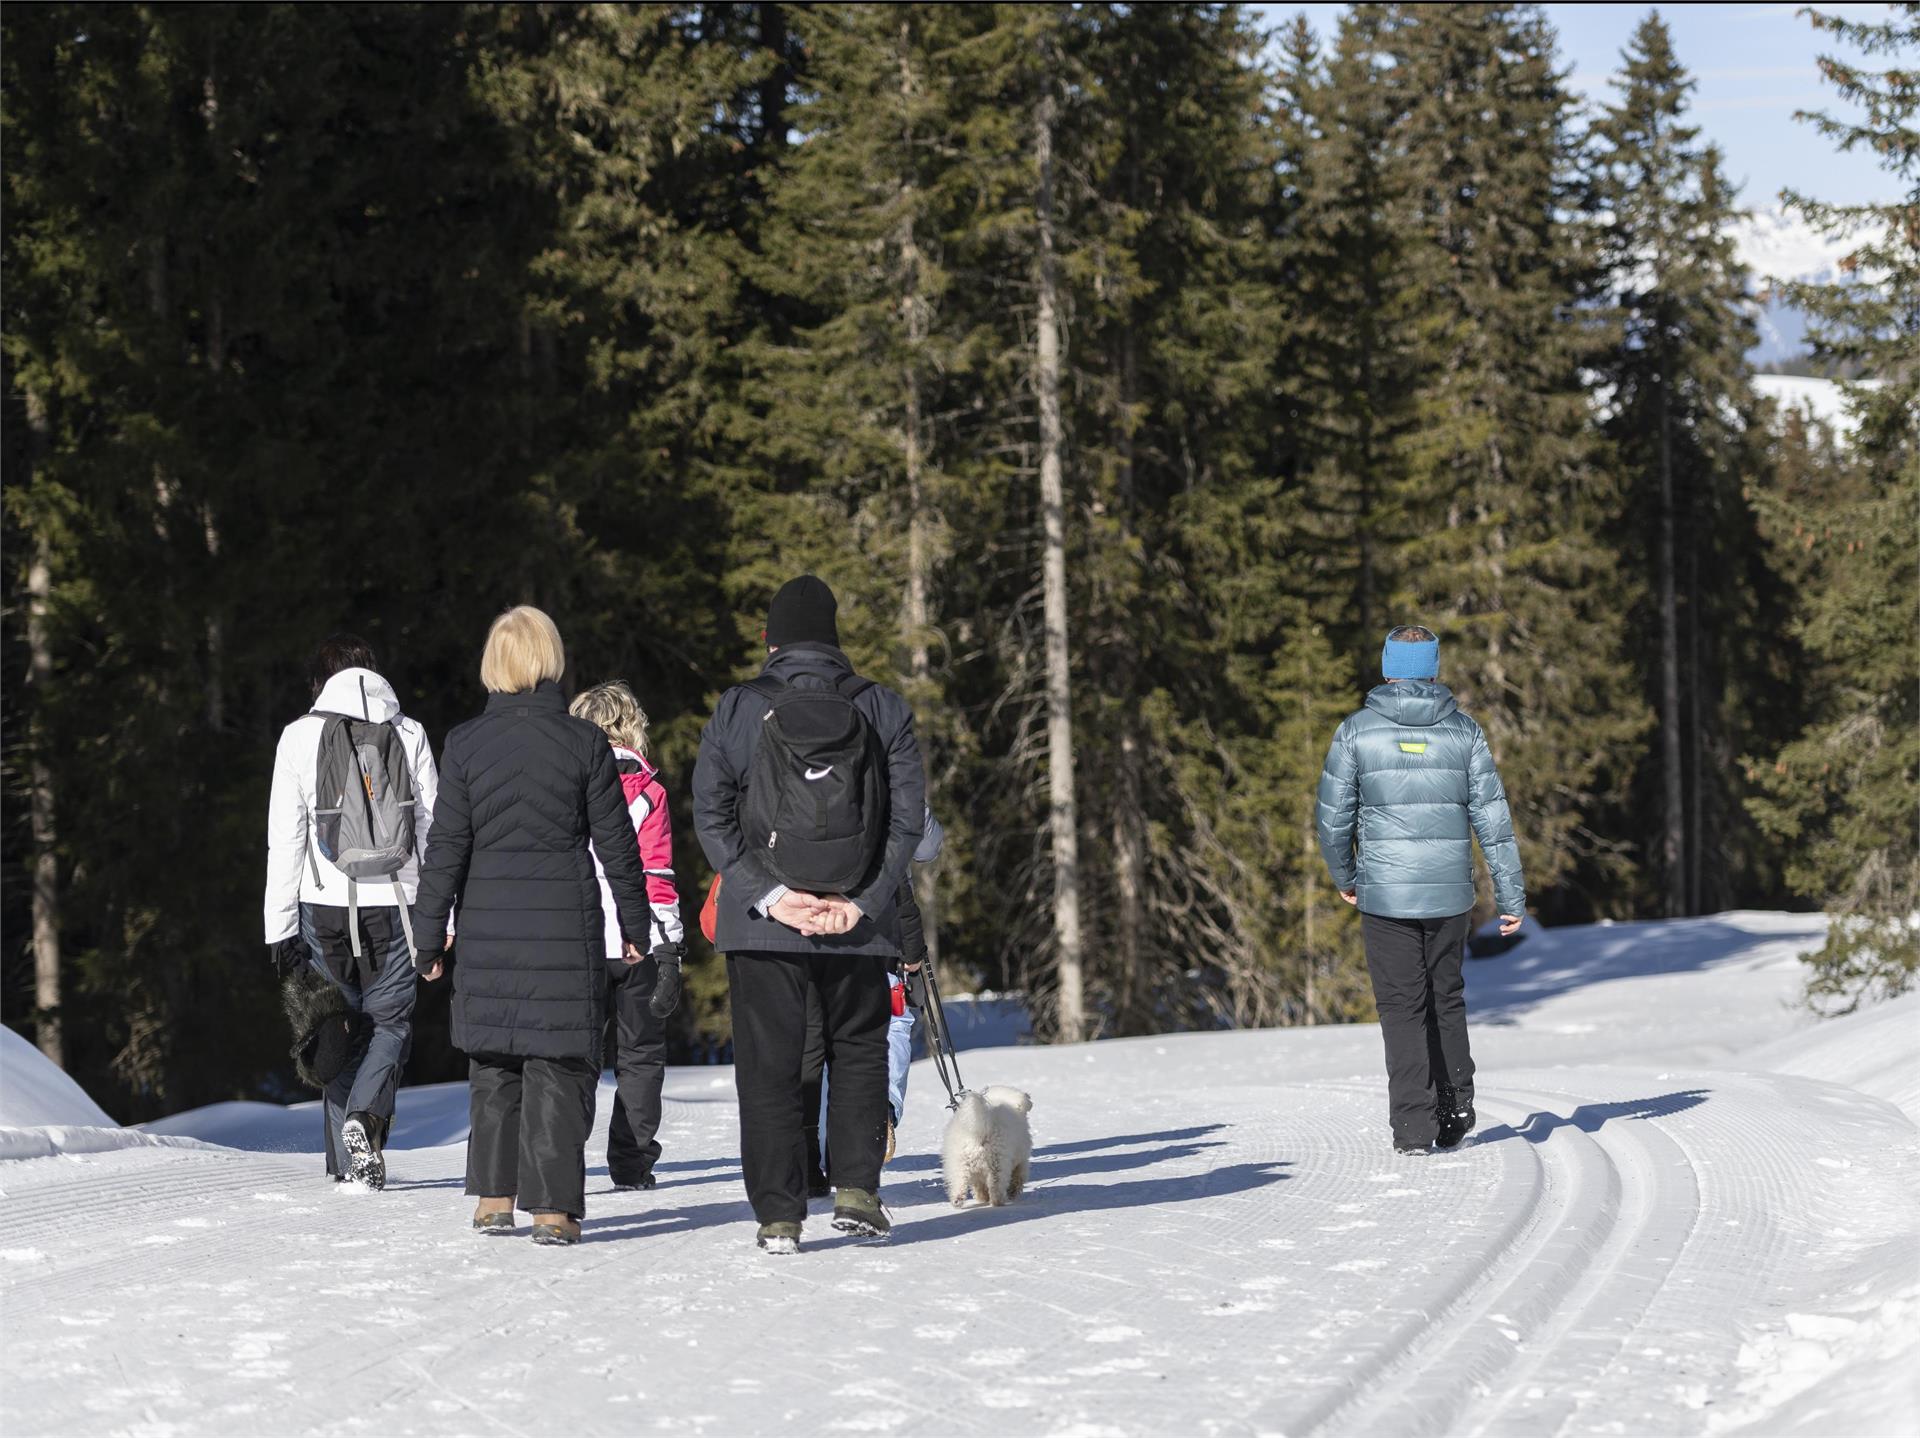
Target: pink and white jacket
(653, 831)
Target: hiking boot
(493, 1215)
(858, 1212)
(1402, 1146)
(361, 1135)
(1457, 1118)
(817, 1185)
(556, 1229)
(636, 1185)
(779, 1238)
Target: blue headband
(1410, 659)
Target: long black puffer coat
(522, 788)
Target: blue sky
(1755, 67)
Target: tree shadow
(1046, 1195)
(1590, 1117)
(930, 1162)
(1046, 1199)
(1500, 991)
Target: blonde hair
(613, 707)
(523, 648)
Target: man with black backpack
(809, 798)
(352, 800)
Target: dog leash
(946, 1062)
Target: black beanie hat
(802, 613)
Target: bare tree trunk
(1053, 571)
(46, 863)
(1129, 838)
(216, 695)
(1673, 837)
(1696, 727)
(773, 89)
(918, 615)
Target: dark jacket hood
(809, 660)
(1418, 703)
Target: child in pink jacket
(640, 995)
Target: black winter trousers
(769, 994)
(1422, 999)
(530, 1118)
(639, 1068)
(813, 1073)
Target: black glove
(288, 955)
(666, 988)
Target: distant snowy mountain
(1779, 247)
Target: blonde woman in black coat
(522, 790)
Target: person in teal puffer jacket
(1408, 786)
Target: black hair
(337, 652)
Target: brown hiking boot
(555, 1228)
(493, 1215)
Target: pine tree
(1507, 489)
(868, 398)
(1844, 797)
(1360, 316)
(1687, 430)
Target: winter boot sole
(862, 1225)
(780, 1239)
(552, 1235)
(1416, 1149)
(365, 1163)
(638, 1186)
(495, 1223)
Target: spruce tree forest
(1127, 370)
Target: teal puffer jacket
(1409, 784)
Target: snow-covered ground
(1689, 1209)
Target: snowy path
(1218, 1239)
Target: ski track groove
(1172, 1255)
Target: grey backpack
(363, 809)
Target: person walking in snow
(1409, 784)
(641, 992)
(352, 933)
(809, 798)
(524, 788)
(905, 994)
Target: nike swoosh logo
(813, 775)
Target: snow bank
(44, 1113)
(1876, 1050)
(425, 1116)
(34, 1091)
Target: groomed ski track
(1218, 1240)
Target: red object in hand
(899, 1000)
(710, 911)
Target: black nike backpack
(816, 804)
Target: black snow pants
(530, 1118)
(769, 995)
(640, 1071)
(1422, 999)
(813, 1072)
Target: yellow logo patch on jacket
(1406, 748)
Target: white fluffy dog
(988, 1146)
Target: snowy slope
(1688, 1210)
(43, 1112)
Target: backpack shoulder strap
(767, 686)
(852, 686)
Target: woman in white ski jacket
(307, 904)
